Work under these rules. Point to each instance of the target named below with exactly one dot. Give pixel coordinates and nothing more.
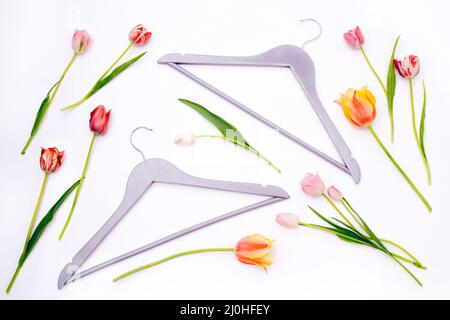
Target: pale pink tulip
(335, 194)
(80, 41)
(287, 220)
(312, 185)
(184, 139)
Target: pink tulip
(409, 67)
(312, 185)
(80, 41)
(139, 35)
(287, 220)
(354, 38)
(184, 139)
(99, 120)
(335, 194)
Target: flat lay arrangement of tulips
(358, 105)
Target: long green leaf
(367, 228)
(422, 120)
(118, 70)
(344, 231)
(42, 110)
(225, 128)
(44, 223)
(391, 84)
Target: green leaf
(344, 231)
(118, 70)
(422, 120)
(367, 229)
(391, 83)
(225, 128)
(42, 110)
(44, 223)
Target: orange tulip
(254, 249)
(359, 107)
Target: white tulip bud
(184, 139)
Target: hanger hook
(316, 37)
(131, 139)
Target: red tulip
(409, 67)
(139, 35)
(50, 159)
(99, 120)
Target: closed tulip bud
(312, 185)
(287, 220)
(99, 120)
(335, 194)
(184, 139)
(139, 35)
(409, 67)
(80, 41)
(354, 38)
(50, 159)
(359, 107)
(255, 250)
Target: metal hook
(131, 140)
(316, 37)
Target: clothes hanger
(143, 176)
(302, 67)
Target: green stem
(400, 170)
(416, 262)
(315, 226)
(337, 209)
(180, 254)
(373, 70)
(416, 134)
(51, 98)
(83, 176)
(407, 270)
(243, 145)
(73, 105)
(13, 280)
(36, 210)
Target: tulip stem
(36, 209)
(13, 280)
(55, 90)
(352, 212)
(245, 146)
(416, 135)
(337, 209)
(83, 176)
(400, 169)
(73, 105)
(180, 254)
(373, 70)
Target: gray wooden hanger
(143, 176)
(302, 67)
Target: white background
(36, 38)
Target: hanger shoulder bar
(173, 236)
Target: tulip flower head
(287, 220)
(359, 107)
(354, 38)
(255, 250)
(50, 159)
(139, 35)
(312, 185)
(184, 139)
(335, 194)
(80, 41)
(409, 67)
(99, 120)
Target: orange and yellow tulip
(255, 250)
(359, 107)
